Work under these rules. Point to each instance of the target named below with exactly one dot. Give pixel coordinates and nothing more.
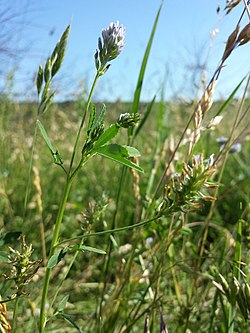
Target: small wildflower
(149, 241)
(222, 140)
(214, 122)
(110, 46)
(235, 148)
(210, 161)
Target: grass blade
(227, 102)
(138, 89)
(147, 113)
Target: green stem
(15, 315)
(110, 231)
(62, 208)
(52, 250)
(83, 119)
(231, 317)
(65, 275)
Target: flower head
(113, 39)
(127, 120)
(109, 46)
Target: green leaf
(4, 256)
(55, 153)
(227, 102)
(91, 118)
(84, 248)
(132, 152)
(69, 320)
(56, 258)
(100, 117)
(108, 135)
(45, 136)
(10, 238)
(62, 304)
(118, 154)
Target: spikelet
(231, 43)
(207, 97)
(197, 123)
(244, 35)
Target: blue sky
(181, 42)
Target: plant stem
(65, 275)
(111, 231)
(15, 315)
(83, 119)
(52, 250)
(61, 210)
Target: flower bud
(127, 120)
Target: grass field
(122, 241)
(153, 270)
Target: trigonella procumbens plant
(95, 141)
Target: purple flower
(235, 148)
(113, 39)
(110, 46)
